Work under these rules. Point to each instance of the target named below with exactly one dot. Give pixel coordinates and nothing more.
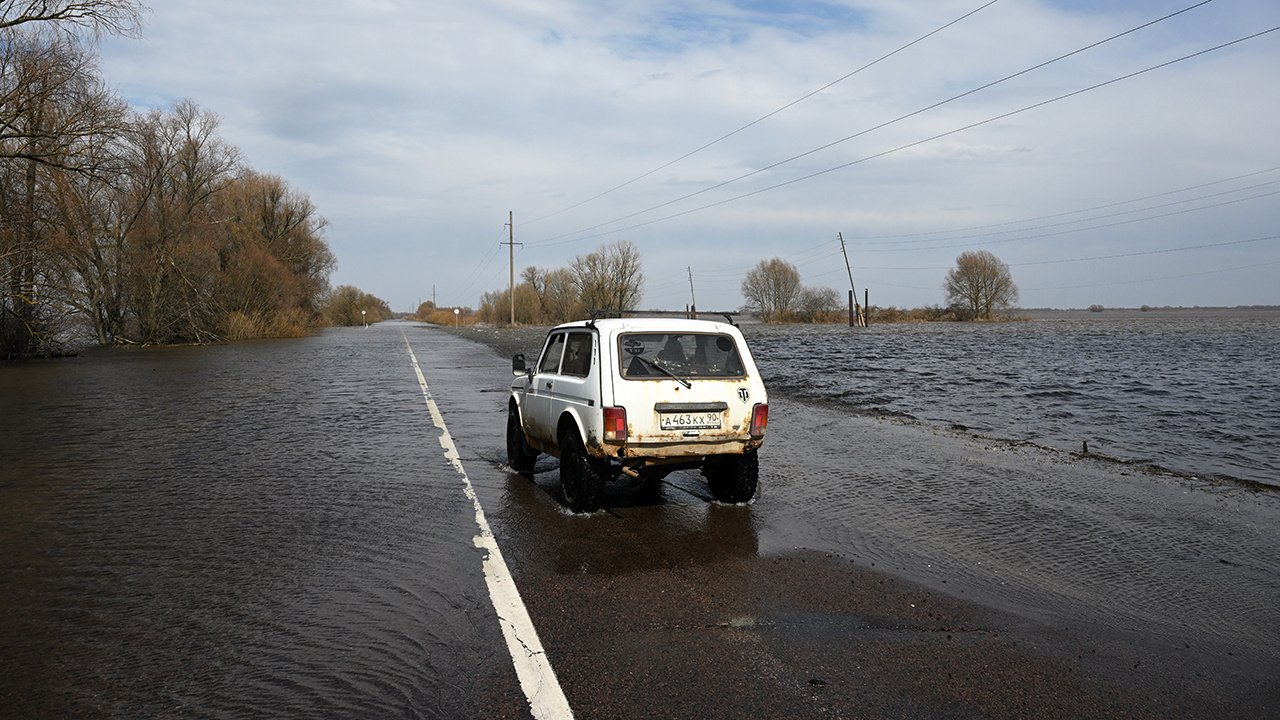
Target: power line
(1138, 253)
(766, 116)
(1155, 279)
(917, 143)
(940, 103)
(823, 251)
(1103, 226)
(474, 275)
(1112, 256)
(1079, 211)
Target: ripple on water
(246, 530)
(1197, 395)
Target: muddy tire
(520, 457)
(582, 477)
(732, 478)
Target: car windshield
(689, 355)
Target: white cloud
(416, 127)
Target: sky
(416, 127)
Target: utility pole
(856, 318)
(511, 259)
(692, 298)
(433, 295)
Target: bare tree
(57, 123)
(560, 301)
(536, 278)
(180, 163)
(271, 248)
(344, 305)
(980, 283)
(111, 17)
(817, 305)
(772, 288)
(147, 227)
(609, 278)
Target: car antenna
(595, 315)
(729, 317)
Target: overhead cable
(1155, 279)
(766, 116)
(917, 143)
(1078, 211)
(561, 238)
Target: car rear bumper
(677, 451)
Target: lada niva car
(640, 397)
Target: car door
(576, 386)
(570, 384)
(537, 401)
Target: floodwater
(1197, 393)
(234, 531)
(270, 529)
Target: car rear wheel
(582, 477)
(733, 478)
(520, 457)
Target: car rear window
(683, 354)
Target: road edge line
(533, 668)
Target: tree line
(129, 226)
(608, 279)
(773, 289)
(977, 288)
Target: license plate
(689, 421)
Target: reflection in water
(638, 532)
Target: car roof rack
(599, 313)
(688, 314)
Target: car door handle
(548, 385)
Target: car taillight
(759, 420)
(615, 424)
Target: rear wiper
(654, 364)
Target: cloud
(417, 127)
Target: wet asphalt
(298, 545)
(886, 570)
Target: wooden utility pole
(856, 317)
(693, 312)
(511, 260)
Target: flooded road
(262, 529)
(272, 528)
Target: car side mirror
(518, 366)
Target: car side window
(577, 355)
(551, 355)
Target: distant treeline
(137, 227)
(608, 278)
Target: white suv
(640, 397)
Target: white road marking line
(537, 679)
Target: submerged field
(1191, 392)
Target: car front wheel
(733, 478)
(520, 457)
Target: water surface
(1197, 394)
